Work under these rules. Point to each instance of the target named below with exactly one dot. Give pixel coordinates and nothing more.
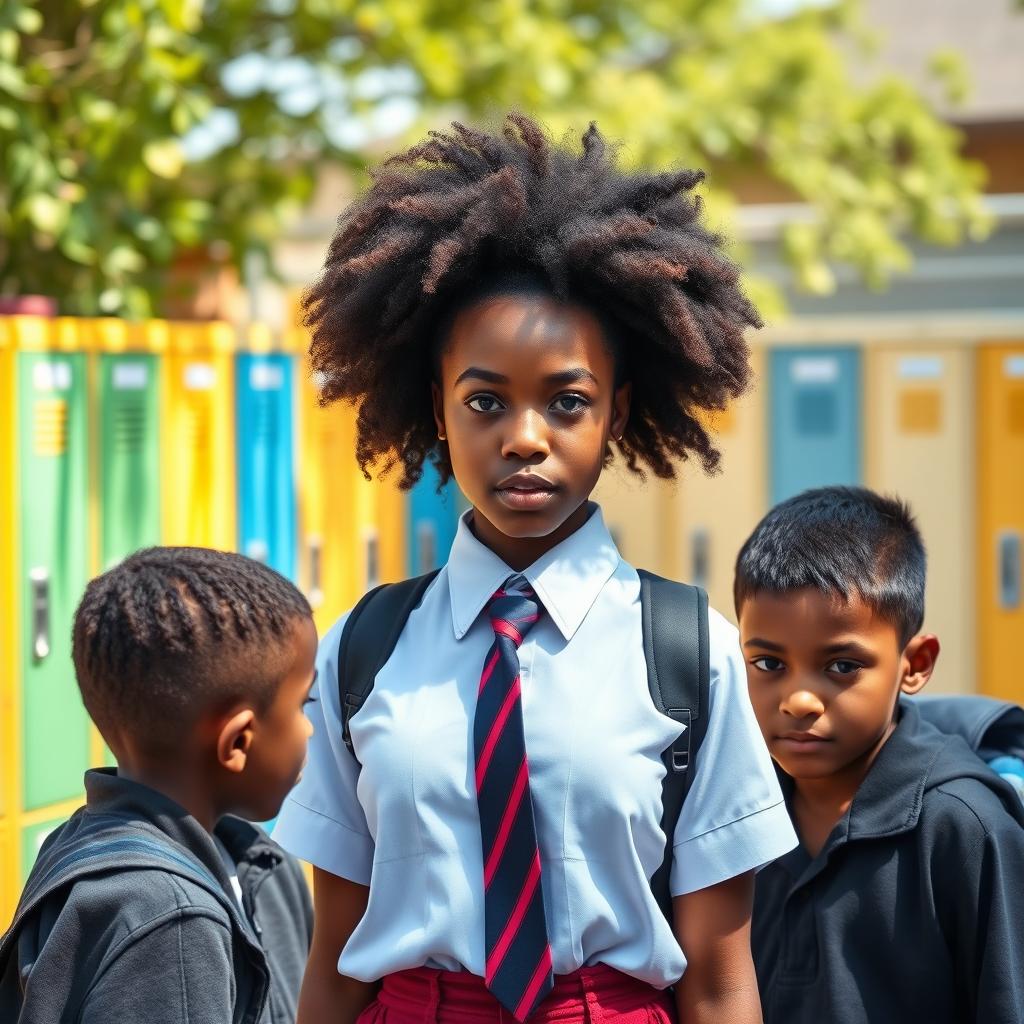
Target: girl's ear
(919, 657)
(437, 400)
(620, 409)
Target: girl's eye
(844, 667)
(766, 663)
(484, 403)
(570, 403)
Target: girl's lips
(525, 499)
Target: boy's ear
(919, 657)
(437, 399)
(235, 739)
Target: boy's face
(278, 748)
(527, 402)
(824, 676)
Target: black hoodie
(129, 915)
(914, 908)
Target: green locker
(53, 495)
(129, 410)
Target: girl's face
(527, 402)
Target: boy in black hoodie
(154, 903)
(905, 899)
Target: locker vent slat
(50, 427)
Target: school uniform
(912, 910)
(406, 823)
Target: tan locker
(919, 415)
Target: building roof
(987, 34)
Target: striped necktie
(518, 964)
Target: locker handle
(316, 593)
(372, 561)
(39, 581)
(1008, 569)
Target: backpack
(993, 729)
(675, 637)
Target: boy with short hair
(150, 903)
(905, 899)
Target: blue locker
(433, 518)
(266, 470)
(814, 419)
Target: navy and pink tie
(518, 956)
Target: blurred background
(171, 172)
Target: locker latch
(700, 557)
(39, 581)
(1009, 569)
(316, 592)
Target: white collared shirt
(407, 825)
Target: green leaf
(164, 157)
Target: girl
(512, 309)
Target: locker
(920, 447)
(352, 529)
(712, 516)
(198, 436)
(129, 454)
(54, 463)
(266, 476)
(814, 419)
(638, 515)
(1000, 543)
(433, 518)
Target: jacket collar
(106, 792)
(567, 579)
(889, 800)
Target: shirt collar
(567, 579)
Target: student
(511, 310)
(154, 903)
(905, 897)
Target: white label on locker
(1013, 367)
(265, 377)
(130, 376)
(200, 377)
(51, 376)
(921, 368)
(815, 370)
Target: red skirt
(591, 995)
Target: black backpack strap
(675, 632)
(370, 634)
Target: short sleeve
(734, 818)
(322, 820)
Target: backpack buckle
(679, 752)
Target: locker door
(433, 518)
(636, 514)
(713, 516)
(1000, 549)
(920, 447)
(266, 487)
(10, 631)
(197, 441)
(54, 569)
(814, 419)
(329, 481)
(129, 423)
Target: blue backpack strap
(368, 639)
(676, 648)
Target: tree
(132, 128)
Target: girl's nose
(527, 437)
(801, 702)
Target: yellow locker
(352, 530)
(711, 516)
(1000, 546)
(920, 446)
(10, 708)
(198, 435)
